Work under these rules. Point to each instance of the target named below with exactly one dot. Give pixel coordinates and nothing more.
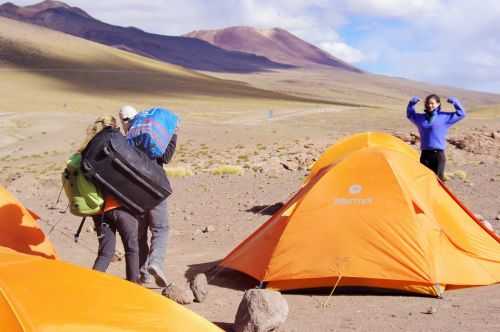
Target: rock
(199, 286)
(118, 256)
(498, 217)
(181, 295)
(285, 166)
(430, 311)
(479, 217)
(208, 229)
(261, 311)
(458, 143)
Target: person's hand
(414, 100)
(453, 101)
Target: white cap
(127, 112)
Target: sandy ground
(34, 146)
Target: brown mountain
(187, 52)
(276, 44)
(10, 9)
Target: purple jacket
(433, 128)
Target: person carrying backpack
(433, 127)
(152, 257)
(113, 218)
(116, 218)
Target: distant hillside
(45, 69)
(276, 44)
(187, 52)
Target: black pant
(127, 226)
(435, 160)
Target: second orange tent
(371, 215)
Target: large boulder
(199, 286)
(261, 311)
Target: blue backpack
(152, 130)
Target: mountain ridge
(191, 53)
(276, 44)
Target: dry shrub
(459, 175)
(228, 169)
(178, 171)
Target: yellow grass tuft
(178, 171)
(460, 175)
(228, 169)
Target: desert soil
(34, 146)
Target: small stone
(199, 286)
(261, 311)
(118, 256)
(497, 217)
(181, 295)
(430, 311)
(209, 229)
(479, 217)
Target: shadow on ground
(266, 210)
(222, 277)
(228, 327)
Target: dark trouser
(157, 222)
(127, 226)
(435, 160)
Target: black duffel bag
(124, 171)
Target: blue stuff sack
(152, 130)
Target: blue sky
(451, 42)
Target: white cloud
(343, 51)
(395, 8)
(453, 42)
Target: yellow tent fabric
(19, 230)
(345, 146)
(375, 217)
(38, 294)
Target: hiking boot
(146, 279)
(157, 273)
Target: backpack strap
(77, 234)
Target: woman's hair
(432, 96)
(99, 124)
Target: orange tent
(40, 294)
(19, 230)
(372, 217)
(353, 143)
